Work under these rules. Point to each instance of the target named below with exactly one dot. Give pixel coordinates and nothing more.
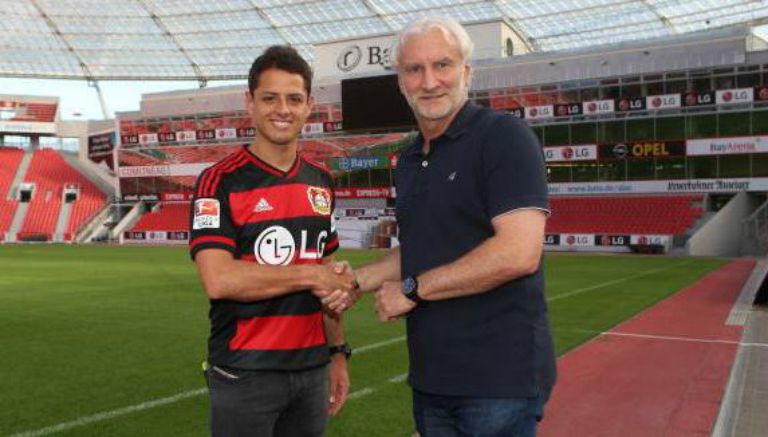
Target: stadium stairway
(17, 223)
(21, 172)
(9, 165)
(62, 223)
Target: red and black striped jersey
(264, 215)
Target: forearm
(372, 276)
(334, 331)
(246, 281)
(513, 251)
(486, 267)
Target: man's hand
(338, 300)
(338, 379)
(391, 303)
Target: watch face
(409, 285)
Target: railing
(755, 232)
(88, 227)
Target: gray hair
(450, 28)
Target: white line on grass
(99, 417)
(365, 391)
(613, 282)
(107, 415)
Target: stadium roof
(212, 39)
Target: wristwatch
(341, 349)
(411, 289)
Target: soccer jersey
(264, 215)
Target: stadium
(653, 121)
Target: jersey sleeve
(514, 170)
(332, 244)
(211, 225)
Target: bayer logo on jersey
(276, 246)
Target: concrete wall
(721, 236)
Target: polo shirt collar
(458, 126)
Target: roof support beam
(664, 20)
(201, 78)
(86, 71)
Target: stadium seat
(667, 215)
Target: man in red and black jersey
(262, 236)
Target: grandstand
(652, 115)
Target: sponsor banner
(27, 127)
(577, 152)
(727, 146)
(151, 197)
(694, 98)
(205, 134)
(101, 145)
(663, 101)
(134, 235)
(166, 137)
(246, 132)
(367, 212)
(185, 135)
(169, 197)
(539, 112)
(364, 193)
(333, 126)
(226, 133)
(552, 239)
(517, 112)
(312, 128)
(761, 93)
(360, 163)
(736, 95)
(100, 148)
(148, 138)
(158, 236)
(393, 160)
(642, 149)
(567, 109)
(573, 240)
(149, 171)
(612, 240)
(667, 186)
(177, 235)
(129, 139)
(643, 240)
(631, 104)
(599, 107)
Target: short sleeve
(211, 225)
(332, 244)
(514, 170)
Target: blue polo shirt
(493, 344)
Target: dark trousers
(454, 416)
(268, 403)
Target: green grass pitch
(91, 336)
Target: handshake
(338, 289)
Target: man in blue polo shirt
(471, 209)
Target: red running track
(661, 373)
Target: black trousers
(268, 403)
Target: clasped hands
(339, 290)
(336, 287)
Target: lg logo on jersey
(275, 246)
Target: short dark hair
(284, 58)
